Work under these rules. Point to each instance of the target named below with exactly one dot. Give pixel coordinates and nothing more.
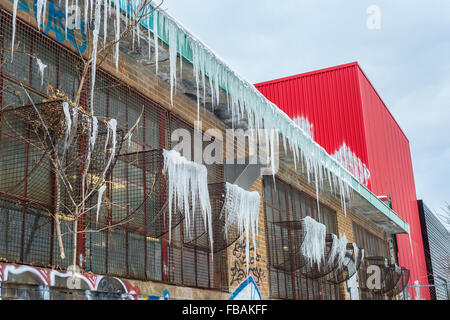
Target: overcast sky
(407, 59)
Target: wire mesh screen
(390, 282)
(142, 183)
(352, 263)
(401, 284)
(373, 247)
(290, 277)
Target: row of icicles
(188, 183)
(71, 116)
(243, 99)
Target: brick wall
(344, 219)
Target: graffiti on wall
(239, 265)
(248, 290)
(55, 23)
(37, 282)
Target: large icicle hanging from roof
(41, 67)
(313, 246)
(156, 37)
(112, 132)
(188, 181)
(242, 208)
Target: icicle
(338, 251)
(101, 191)
(112, 132)
(40, 10)
(242, 208)
(86, 7)
(156, 36)
(187, 179)
(91, 9)
(105, 20)
(14, 28)
(243, 99)
(313, 246)
(77, 16)
(41, 67)
(149, 34)
(356, 252)
(304, 124)
(66, 110)
(66, 2)
(417, 289)
(73, 129)
(93, 132)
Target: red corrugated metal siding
(344, 107)
(330, 100)
(390, 163)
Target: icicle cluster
(356, 252)
(245, 101)
(242, 208)
(417, 290)
(353, 164)
(313, 246)
(41, 67)
(338, 251)
(71, 124)
(188, 182)
(92, 133)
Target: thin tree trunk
(75, 244)
(82, 81)
(58, 222)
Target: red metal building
(345, 114)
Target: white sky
(407, 60)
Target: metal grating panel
(135, 249)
